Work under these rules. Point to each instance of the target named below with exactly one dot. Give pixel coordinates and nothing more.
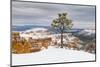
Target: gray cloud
(43, 14)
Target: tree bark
(61, 39)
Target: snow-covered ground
(35, 33)
(36, 29)
(86, 32)
(51, 55)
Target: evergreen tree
(63, 22)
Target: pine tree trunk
(61, 39)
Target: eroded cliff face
(20, 45)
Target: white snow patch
(51, 55)
(36, 29)
(35, 33)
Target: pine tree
(63, 22)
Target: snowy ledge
(51, 55)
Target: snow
(52, 55)
(35, 34)
(36, 29)
(89, 32)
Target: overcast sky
(42, 14)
